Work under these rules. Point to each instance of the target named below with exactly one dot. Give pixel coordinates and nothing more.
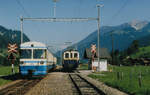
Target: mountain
(138, 24)
(123, 35)
(144, 41)
(10, 36)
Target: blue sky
(114, 12)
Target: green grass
(6, 70)
(126, 79)
(83, 67)
(142, 51)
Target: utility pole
(112, 39)
(21, 31)
(98, 34)
(55, 7)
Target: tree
(134, 47)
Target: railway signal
(12, 50)
(93, 51)
(93, 48)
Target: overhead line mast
(55, 1)
(98, 33)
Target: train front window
(67, 55)
(26, 54)
(75, 55)
(39, 54)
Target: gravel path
(55, 83)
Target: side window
(66, 55)
(39, 53)
(75, 55)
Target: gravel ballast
(56, 83)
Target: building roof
(102, 51)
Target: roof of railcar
(71, 50)
(33, 45)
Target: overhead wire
(25, 11)
(114, 17)
(22, 7)
(118, 12)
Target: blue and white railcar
(35, 59)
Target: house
(104, 56)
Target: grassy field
(5, 70)
(133, 80)
(83, 67)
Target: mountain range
(10, 36)
(122, 35)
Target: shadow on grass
(12, 77)
(18, 76)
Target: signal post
(12, 50)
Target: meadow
(83, 67)
(4, 71)
(134, 80)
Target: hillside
(144, 41)
(143, 52)
(123, 36)
(8, 36)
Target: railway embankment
(9, 84)
(106, 89)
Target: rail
(83, 86)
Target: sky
(114, 12)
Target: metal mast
(98, 34)
(21, 31)
(55, 7)
(112, 47)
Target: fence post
(147, 71)
(118, 76)
(140, 80)
(130, 81)
(147, 91)
(121, 75)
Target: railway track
(84, 87)
(20, 88)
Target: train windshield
(39, 53)
(26, 54)
(75, 55)
(66, 55)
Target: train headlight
(22, 62)
(42, 62)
